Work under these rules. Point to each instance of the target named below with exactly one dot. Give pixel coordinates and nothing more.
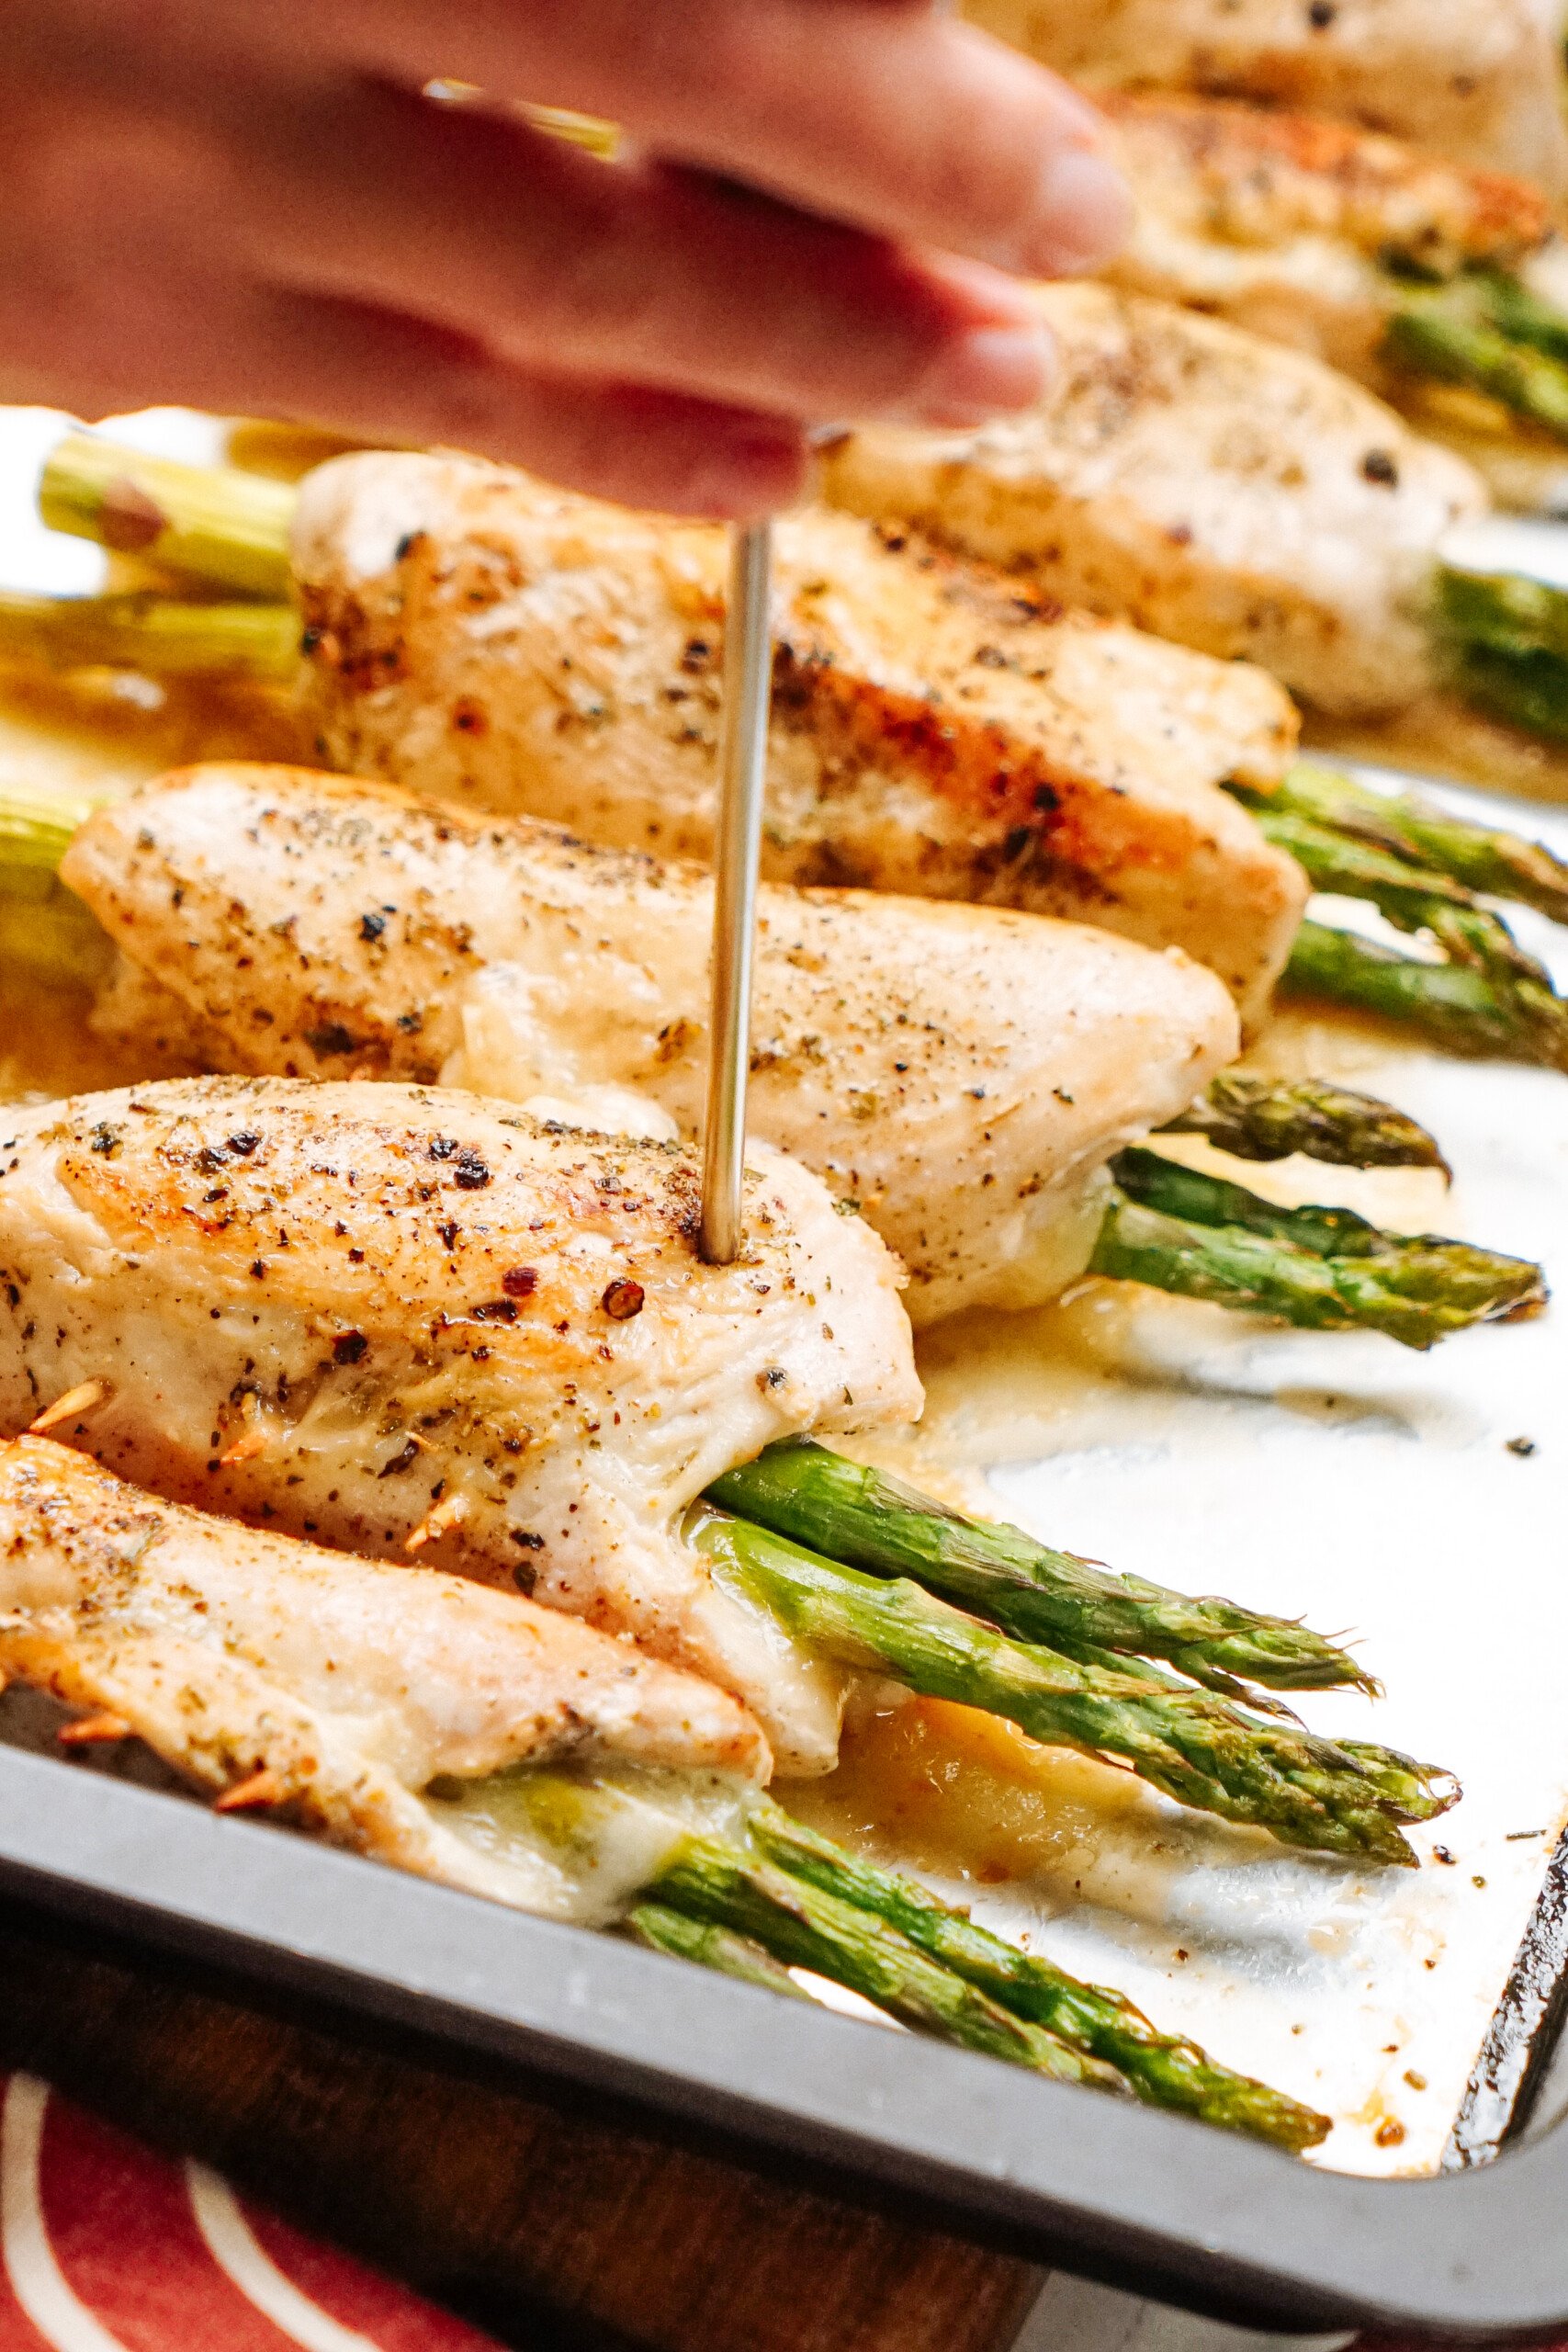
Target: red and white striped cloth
(107, 2247)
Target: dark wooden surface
(558, 2220)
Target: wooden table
(561, 2220)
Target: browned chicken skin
(937, 731)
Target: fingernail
(991, 371)
(1084, 215)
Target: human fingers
(381, 377)
(873, 111)
(919, 127)
(388, 376)
(643, 272)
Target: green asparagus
(719, 1884)
(151, 633)
(1415, 900)
(1461, 1010)
(1440, 333)
(210, 523)
(720, 1949)
(1190, 1744)
(1165, 2070)
(1324, 1269)
(862, 1519)
(1180, 1192)
(1503, 610)
(45, 929)
(1499, 864)
(1521, 314)
(1507, 639)
(1526, 690)
(1422, 868)
(771, 1895)
(1259, 1119)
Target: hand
(254, 208)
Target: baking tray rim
(1169, 2206)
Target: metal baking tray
(1121, 2192)
(1335, 1474)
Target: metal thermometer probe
(738, 842)
(743, 753)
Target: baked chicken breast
(388, 1316)
(335, 1691)
(958, 1074)
(1203, 483)
(1288, 224)
(1477, 81)
(935, 731)
(1348, 245)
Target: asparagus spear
(720, 1949)
(720, 1884)
(1501, 864)
(1503, 610)
(1190, 1193)
(1192, 1745)
(862, 1519)
(210, 522)
(768, 1896)
(1521, 314)
(44, 928)
(1418, 899)
(1459, 1008)
(151, 633)
(1253, 1118)
(1440, 333)
(1326, 1269)
(1165, 2070)
(1526, 690)
(1509, 638)
(1410, 897)
(1229, 1267)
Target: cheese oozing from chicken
(1207, 485)
(394, 1318)
(385, 1708)
(959, 1075)
(936, 730)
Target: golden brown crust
(940, 730)
(1259, 176)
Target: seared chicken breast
(1287, 224)
(1310, 233)
(1210, 486)
(958, 1074)
(333, 1691)
(1477, 81)
(389, 1317)
(935, 730)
